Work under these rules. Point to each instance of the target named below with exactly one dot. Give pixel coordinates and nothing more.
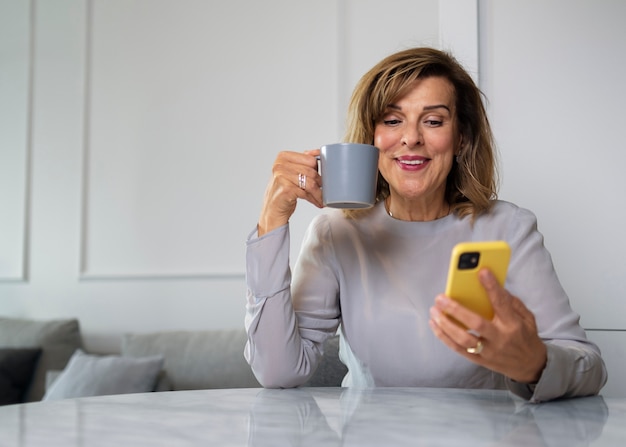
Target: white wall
(554, 74)
(137, 137)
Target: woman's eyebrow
(437, 106)
(433, 107)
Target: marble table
(315, 417)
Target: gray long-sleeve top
(375, 278)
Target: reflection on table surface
(315, 417)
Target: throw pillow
(16, 371)
(94, 375)
(58, 339)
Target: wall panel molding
(162, 194)
(84, 187)
(17, 32)
(86, 273)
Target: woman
(377, 275)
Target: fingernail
(435, 315)
(442, 300)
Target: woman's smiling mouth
(412, 163)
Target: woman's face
(418, 138)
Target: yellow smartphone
(467, 259)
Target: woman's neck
(416, 212)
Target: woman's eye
(391, 122)
(433, 122)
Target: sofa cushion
(100, 375)
(196, 359)
(57, 339)
(17, 366)
(214, 359)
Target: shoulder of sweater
(504, 208)
(514, 221)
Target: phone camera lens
(468, 261)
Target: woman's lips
(412, 163)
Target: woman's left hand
(508, 344)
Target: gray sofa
(214, 359)
(160, 361)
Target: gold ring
(302, 181)
(477, 349)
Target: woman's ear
(459, 149)
(461, 145)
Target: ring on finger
(476, 349)
(302, 181)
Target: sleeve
(574, 366)
(288, 321)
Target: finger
(505, 305)
(462, 317)
(454, 335)
(298, 168)
(284, 189)
(306, 159)
(499, 297)
(310, 189)
(313, 172)
(313, 152)
(437, 323)
(473, 351)
(301, 186)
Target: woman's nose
(411, 137)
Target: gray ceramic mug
(349, 174)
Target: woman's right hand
(285, 189)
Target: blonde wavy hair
(472, 182)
